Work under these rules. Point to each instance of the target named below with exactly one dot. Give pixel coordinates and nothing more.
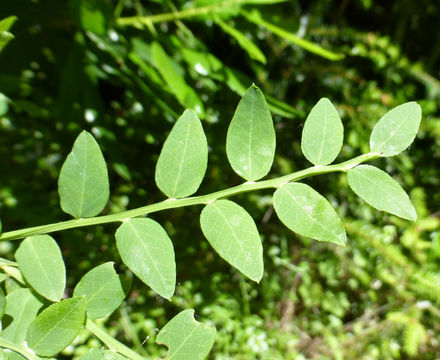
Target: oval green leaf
(186, 338)
(396, 130)
(184, 158)
(22, 306)
(40, 261)
(323, 134)
(147, 250)
(56, 327)
(103, 289)
(306, 212)
(83, 184)
(232, 233)
(381, 191)
(250, 143)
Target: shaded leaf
(147, 250)
(40, 261)
(22, 306)
(104, 290)
(396, 130)
(245, 43)
(250, 143)
(56, 327)
(186, 96)
(184, 157)
(306, 212)
(83, 184)
(186, 338)
(322, 134)
(2, 303)
(381, 191)
(232, 233)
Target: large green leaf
(323, 134)
(40, 261)
(83, 183)
(250, 144)
(147, 250)
(56, 327)
(232, 233)
(184, 158)
(306, 212)
(245, 43)
(381, 191)
(5, 35)
(186, 338)
(22, 306)
(186, 96)
(396, 130)
(104, 290)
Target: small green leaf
(2, 303)
(99, 354)
(56, 327)
(184, 158)
(396, 130)
(306, 212)
(6, 23)
(104, 290)
(245, 43)
(381, 191)
(22, 306)
(250, 143)
(231, 231)
(147, 250)
(41, 263)
(323, 134)
(83, 183)
(186, 96)
(186, 338)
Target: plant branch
(23, 351)
(182, 14)
(196, 200)
(111, 342)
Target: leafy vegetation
(124, 72)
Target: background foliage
(78, 65)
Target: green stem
(196, 200)
(23, 351)
(111, 342)
(176, 15)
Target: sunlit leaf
(306, 212)
(184, 158)
(186, 338)
(40, 261)
(322, 134)
(147, 250)
(22, 307)
(83, 184)
(381, 191)
(100, 354)
(250, 144)
(396, 130)
(104, 290)
(56, 326)
(232, 233)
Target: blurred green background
(125, 70)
